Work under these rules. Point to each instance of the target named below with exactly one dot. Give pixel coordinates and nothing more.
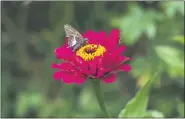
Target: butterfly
(75, 39)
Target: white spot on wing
(73, 42)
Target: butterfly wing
(71, 31)
(76, 46)
(73, 35)
(71, 41)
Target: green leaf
(151, 30)
(173, 58)
(176, 72)
(137, 106)
(137, 22)
(172, 7)
(180, 108)
(169, 55)
(25, 100)
(138, 67)
(179, 39)
(153, 113)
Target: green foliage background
(153, 32)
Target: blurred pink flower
(99, 59)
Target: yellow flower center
(90, 51)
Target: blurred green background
(152, 31)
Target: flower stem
(99, 96)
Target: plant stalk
(99, 96)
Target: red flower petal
(64, 67)
(101, 72)
(57, 75)
(124, 67)
(95, 65)
(65, 53)
(92, 67)
(113, 39)
(109, 61)
(119, 50)
(82, 65)
(55, 66)
(67, 66)
(70, 78)
(80, 79)
(101, 37)
(95, 37)
(122, 59)
(110, 78)
(91, 35)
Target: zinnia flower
(100, 58)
